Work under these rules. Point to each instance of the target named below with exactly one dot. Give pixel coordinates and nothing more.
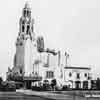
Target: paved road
(18, 96)
(57, 96)
(22, 96)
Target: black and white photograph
(50, 50)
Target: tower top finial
(27, 6)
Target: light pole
(66, 58)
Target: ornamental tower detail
(25, 43)
(26, 23)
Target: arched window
(28, 27)
(23, 28)
(85, 74)
(25, 13)
(70, 74)
(21, 71)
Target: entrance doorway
(77, 85)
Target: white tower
(24, 43)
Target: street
(19, 96)
(33, 95)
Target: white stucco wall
(73, 78)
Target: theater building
(37, 63)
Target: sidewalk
(50, 95)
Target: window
(28, 27)
(32, 28)
(28, 13)
(49, 74)
(89, 76)
(25, 12)
(78, 75)
(85, 74)
(21, 71)
(70, 74)
(23, 28)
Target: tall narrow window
(25, 13)
(78, 75)
(21, 71)
(28, 27)
(49, 74)
(28, 13)
(85, 74)
(70, 74)
(23, 28)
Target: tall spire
(26, 22)
(27, 10)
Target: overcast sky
(71, 25)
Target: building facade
(26, 44)
(78, 77)
(32, 59)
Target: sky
(67, 25)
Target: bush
(53, 84)
(65, 87)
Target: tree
(98, 84)
(1, 80)
(53, 84)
